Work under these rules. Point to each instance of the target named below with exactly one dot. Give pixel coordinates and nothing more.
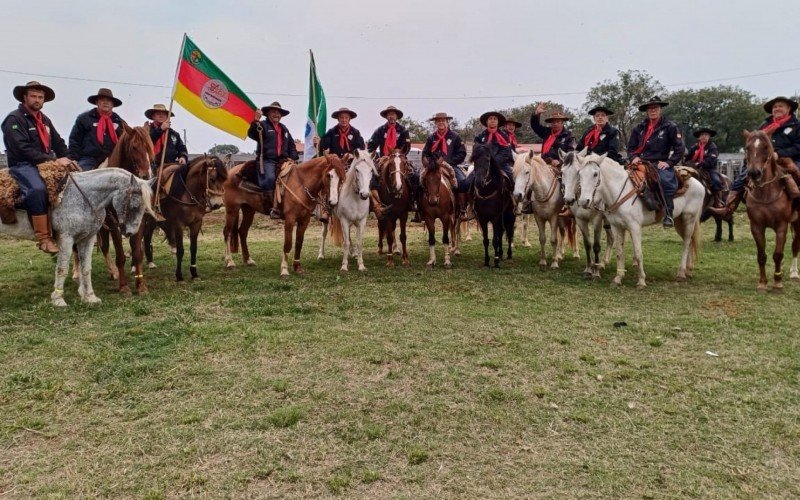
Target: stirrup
(275, 213)
(668, 222)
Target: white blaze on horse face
(398, 183)
(365, 175)
(589, 180)
(521, 183)
(333, 195)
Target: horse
(133, 153)
(202, 180)
(587, 219)
(523, 218)
(726, 188)
(350, 205)
(603, 180)
(493, 204)
(769, 206)
(394, 192)
(302, 184)
(541, 183)
(438, 201)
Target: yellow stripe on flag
(217, 117)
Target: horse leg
(85, 248)
(362, 224)
(430, 225)
(288, 227)
(62, 269)
(777, 257)
(510, 220)
(718, 232)
(403, 239)
(759, 236)
(497, 239)
(103, 238)
(685, 231)
(381, 234)
(387, 228)
(620, 248)
(609, 247)
(230, 235)
(298, 246)
(587, 246)
(793, 273)
(557, 255)
(76, 272)
(730, 227)
(540, 224)
(446, 241)
(177, 232)
(137, 260)
(345, 243)
(149, 228)
(321, 253)
(483, 225)
(119, 252)
(468, 236)
(244, 230)
(526, 221)
(194, 231)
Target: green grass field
(401, 383)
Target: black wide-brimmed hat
(501, 120)
(275, 105)
(19, 91)
(339, 111)
(515, 122)
(707, 130)
(768, 105)
(104, 93)
(600, 108)
(438, 116)
(653, 100)
(558, 115)
(391, 108)
(157, 107)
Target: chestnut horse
(201, 180)
(303, 185)
(395, 195)
(769, 206)
(438, 201)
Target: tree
(223, 149)
(726, 109)
(417, 131)
(624, 96)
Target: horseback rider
(161, 133)
(511, 127)
(602, 137)
(705, 156)
(658, 141)
(275, 144)
(556, 137)
(96, 131)
(30, 139)
(448, 144)
(784, 129)
(499, 146)
(386, 138)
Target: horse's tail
(694, 244)
(335, 231)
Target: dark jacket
(564, 141)
(330, 141)
(609, 142)
(710, 156)
(288, 149)
(175, 146)
(786, 140)
(456, 151)
(666, 143)
(22, 141)
(503, 155)
(83, 138)
(379, 136)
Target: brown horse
(133, 153)
(438, 201)
(768, 205)
(199, 191)
(395, 196)
(303, 185)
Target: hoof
(343, 269)
(761, 289)
(125, 290)
(250, 262)
(527, 244)
(795, 279)
(151, 265)
(58, 301)
(448, 265)
(196, 279)
(554, 265)
(430, 265)
(230, 266)
(777, 290)
(641, 286)
(456, 252)
(596, 277)
(680, 279)
(92, 299)
(362, 269)
(285, 276)
(406, 263)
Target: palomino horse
(302, 184)
(133, 153)
(542, 183)
(769, 206)
(587, 219)
(603, 180)
(350, 207)
(201, 180)
(493, 203)
(438, 201)
(395, 195)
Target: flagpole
(169, 116)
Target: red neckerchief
(776, 124)
(278, 137)
(41, 128)
(344, 142)
(160, 142)
(103, 124)
(494, 135)
(592, 139)
(651, 127)
(512, 139)
(440, 144)
(551, 139)
(700, 154)
(391, 138)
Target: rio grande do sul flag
(317, 112)
(207, 93)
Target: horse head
(432, 178)
(134, 151)
(394, 168)
(759, 154)
(522, 174)
(363, 169)
(205, 178)
(571, 165)
(482, 161)
(130, 201)
(590, 177)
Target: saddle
(168, 177)
(54, 177)
(248, 177)
(645, 179)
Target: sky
(423, 56)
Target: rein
(552, 190)
(194, 201)
(752, 186)
(316, 199)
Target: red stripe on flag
(194, 80)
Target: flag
(317, 112)
(207, 93)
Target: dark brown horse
(493, 203)
(196, 190)
(726, 188)
(133, 153)
(769, 206)
(395, 196)
(303, 186)
(438, 201)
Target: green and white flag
(317, 112)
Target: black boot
(668, 222)
(734, 197)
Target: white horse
(588, 219)
(540, 183)
(604, 181)
(79, 215)
(350, 204)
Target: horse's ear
(603, 156)
(356, 153)
(583, 152)
(746, 134)
(514, 154)
(531, 154)
(425, 162)
(561, 154)
(127, 128)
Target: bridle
(388, 173)
(208, 192)
(101, 214)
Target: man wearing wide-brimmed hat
(602, 137)
(511, 128)
(784, 128)
(386, 138)
(556, 137)
(660, 142)
(163, 135)
(343, 138)
(447, 144)
(30, 139)
(705, 156)
(96, 131)
(275, 144)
